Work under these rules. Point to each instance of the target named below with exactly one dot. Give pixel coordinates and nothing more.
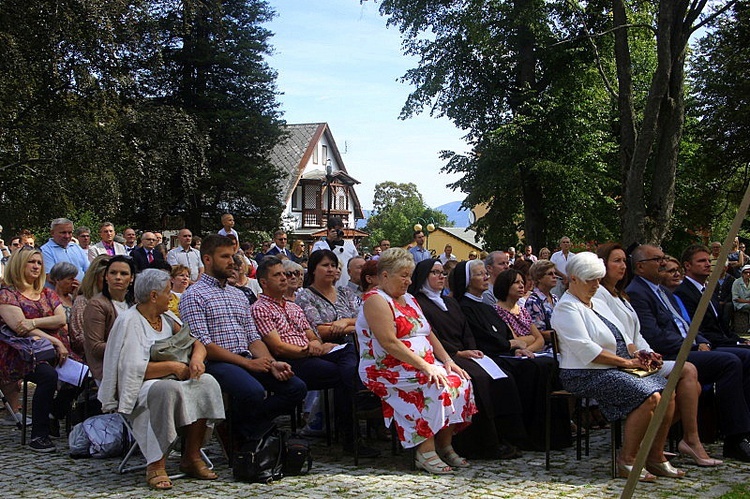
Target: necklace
(156, 324)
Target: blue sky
(337, 62)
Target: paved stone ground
(28, 474)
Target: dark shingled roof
(288, 154)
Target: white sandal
(431, 462)
(452, 458)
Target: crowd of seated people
(266, 328)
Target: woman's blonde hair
(14, 270)
(90, 283)
(393, 260)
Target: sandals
(198, 469)
(623, 471)
(450, 457)
(158, 479)
(431, 462)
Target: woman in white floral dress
(423, 391)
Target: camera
(339, 234)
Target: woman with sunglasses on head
(542, 301)
(497, 400)
(330, 309)
(29, 309)
(294, 273)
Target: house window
(315, 154)
(296, 198)
(325, 153)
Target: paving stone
(27, 474)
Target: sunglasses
(296, 273)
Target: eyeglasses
(483, 274)
(654, 259)
(15, 244)
(438, 273)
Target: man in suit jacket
(664, 329)
(697, 263)
(143, 256)
(279, 248)
(107, 245)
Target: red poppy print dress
(418, 409)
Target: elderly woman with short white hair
(592, 353)
(154, 375)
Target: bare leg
(688, 391)
(444, 437)
(635, 427)
(12, 392)
(194, 435)
(656, 453)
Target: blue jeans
(252, 410)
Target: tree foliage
(575, 110)
(147, 112)
(396, 209)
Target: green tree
(396, 209)
(510, 73)
(145, 112)
(721, 76)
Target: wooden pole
(687, 344)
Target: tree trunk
(641, 222)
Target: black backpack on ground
(260, 460)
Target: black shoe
(739, 450)
(508, 451)
(363, 451)
(42, 444)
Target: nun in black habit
(495, 339)
(500, 411)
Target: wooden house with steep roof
(304, 156)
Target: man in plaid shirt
(284, 328)
(219, 316)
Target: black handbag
(261, 460)
(297, 458)
(31, 348)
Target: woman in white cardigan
(611, 294)
(160, 396)
(592, 348)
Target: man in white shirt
(560, 259)
(107, 245)
(185, 254)
(131, 240)
(447, 254)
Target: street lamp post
(329, 179)
(429, 227)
